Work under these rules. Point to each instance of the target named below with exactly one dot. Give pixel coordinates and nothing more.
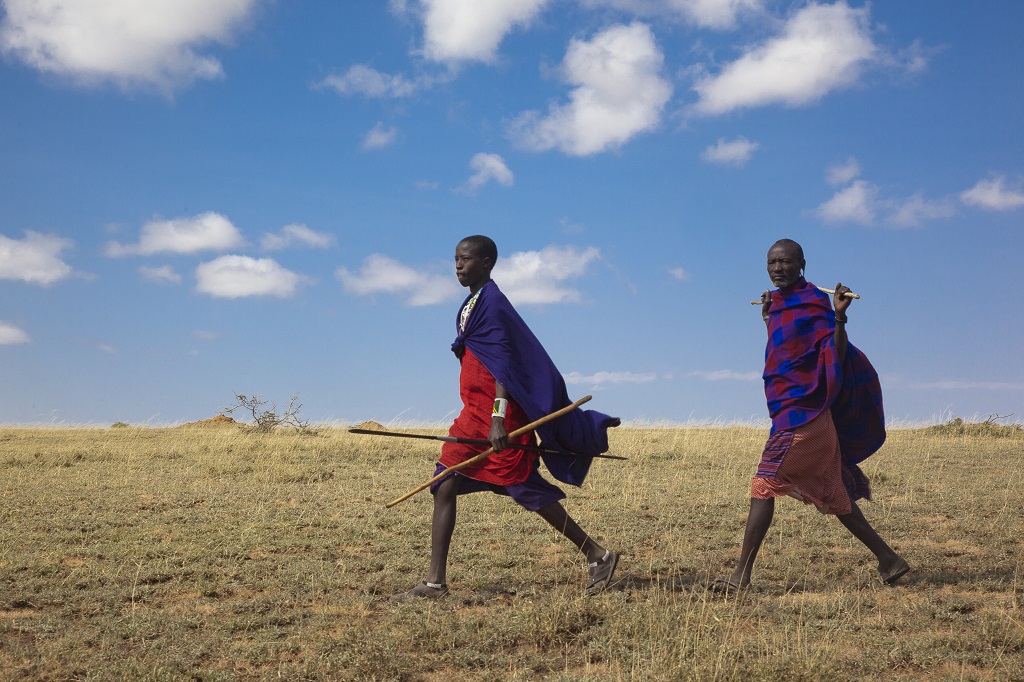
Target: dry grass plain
(220, 554)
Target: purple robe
(504, 344)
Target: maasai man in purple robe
(826, 408)
(508, 381)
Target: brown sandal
(424, 590)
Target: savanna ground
(223, 554)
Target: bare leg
(888, 559)
(759, 519)
(441, 528)
(556, 515)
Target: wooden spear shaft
(848, 294)
(489, 451)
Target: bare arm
(766, 305)
(841, 304)
(498, 435)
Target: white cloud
(716, 14)
(380, 136)
(205, 232)
(238, 276)
(725, 375)
(538, 277)
(856, 204)
(861, 203)
(488, 167)
(730, 152)
(364, 80)
(526, 277)
(618, 94)
(36, 259)
(206, 335)
(10, 335)
(154, 43)
(842, 173)
(679, 274)
(599, 378)
(993, 195)
(960, 385)
(380, 274)
(164, 274)
(471, 30)
(295, 234)
(822, 48)
(915, 209)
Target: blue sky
(206, 198)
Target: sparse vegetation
(989, 427)
(265, 415)
(208, 554)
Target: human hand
(841, 302)
(498, 436)
(766, 303)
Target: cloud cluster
(471, 30)
(821, 49)
(360, 79)
(715, 14)
(10, 335)
(205, 232)
(36, 259)
(380, 136)
(295, 234)
(730, 152)
(993, 194)
(233, 276)
(526, 277)
(539, 277)
(163, 274)
(618, 93)
(725, 375)
(861, 201)
(599, 379)
(156, 43)
(242, 276)
(488, 168)
(380, 274)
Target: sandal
(425, 590)
(725, 586)
(897, 572)
(601, 573)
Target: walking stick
(478, 441)
(848, 294)
(489, 451)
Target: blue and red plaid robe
(803, 375)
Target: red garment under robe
(476, 385)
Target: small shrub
(265, 415)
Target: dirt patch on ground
(370, 426)
(219, 420)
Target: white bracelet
(500, 407)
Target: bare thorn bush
(265, 414)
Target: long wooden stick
(848, 294)
(477, 441)
(489, 451)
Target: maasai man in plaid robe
(826, 408)
(503, 361)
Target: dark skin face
(472, 269)
(784, 265)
